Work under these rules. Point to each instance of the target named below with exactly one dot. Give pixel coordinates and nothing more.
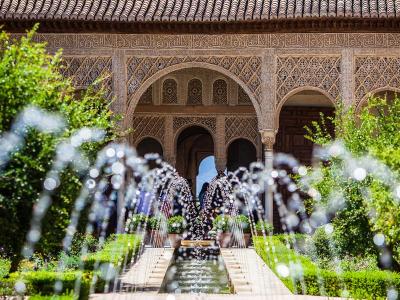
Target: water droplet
(302, 171)
(274, 174)
(50, 184)
(94, 173)
(20, 287)
(379, 239)
(34, 235)
(282, 270)
(90, 183)
(359, 174)
(110, 152)
(328, 229)
(108, 271)
(392, 294)
(58, 286)
(117, 168)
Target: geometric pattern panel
(147, 97)
(220, 93)
(375, 72)
(147, 126)
(169, 91)
(208, 122)
(241, 127)
(83, 71)
(300, 71)
(246, 68)
(243, 98)
(194, 92)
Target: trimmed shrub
(176, 224)
(5, 265)
(264, 226)
(137, 220)
(317, 281)
(243, 222)
(118, 249)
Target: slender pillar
(347, 77)
(220, 146)
(268, 140)
(169, 148)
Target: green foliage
(222, 223)
(69, 296)
(176, 224)
(155, 223)
(80, 240)
(31, 76)
(137, 221)
(5, 265)
(371, 284)
(264, 227)
(242, 222)
(319, 246)
(117, 249)
(369, 205)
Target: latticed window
(147, 97)
(243, 98)
(195, 92)
(170, 91)
(220, 93)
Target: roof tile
(195, 10)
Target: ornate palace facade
(193, 77)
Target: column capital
(268, 138)
(220, 164)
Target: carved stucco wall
(346, 65)
(84, 71)
(375, 73)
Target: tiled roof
(194, 10)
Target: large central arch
(134, 98)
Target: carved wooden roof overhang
(201, 16)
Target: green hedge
(359, 285)
(116, 250)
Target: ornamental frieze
(223, 41)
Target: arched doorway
(241, 153)
(149, 145)
(192, 146)
(298, 111)
(387, 94)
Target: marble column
(268, 140)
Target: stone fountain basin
(197, 243)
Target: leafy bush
(369, 205)
(155, 223)
(69, 296)
(31, 76)
(222, 223)
(79, 240)
(319, 245)
(242, 222)
(5, 265)
(176, 224)
(264, 226)
(137, 220)
(68, 261)
(118, 249)
(317, 281)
